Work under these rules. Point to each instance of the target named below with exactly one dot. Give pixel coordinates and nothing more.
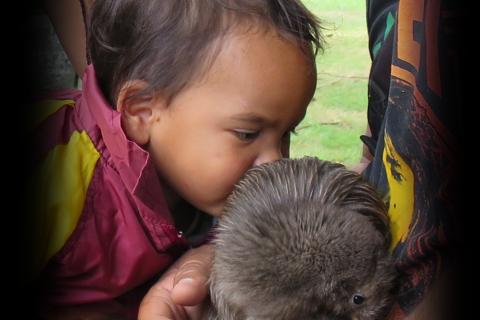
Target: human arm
(366, 156)
(437, 302)
(181, 293)
(68, 21)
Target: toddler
(181, 98)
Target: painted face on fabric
(240, 114)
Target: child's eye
(245, 135)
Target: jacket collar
(132, 162)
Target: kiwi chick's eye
(358, 299)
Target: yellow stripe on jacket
(59, 190)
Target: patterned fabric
(415, 141)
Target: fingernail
(185, 282)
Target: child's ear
(138, 113)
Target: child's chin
(218, 212)
(213, 210)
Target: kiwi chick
(302, 239)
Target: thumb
(190, 286)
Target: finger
(191, 280)
(158, 305)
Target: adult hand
(366, 156)
(181, 293)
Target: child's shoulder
(61, 94)
(46, 104)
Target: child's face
(238, 116)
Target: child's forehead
(253, 40)
(262, 52)
(253, 46)
(255, 74)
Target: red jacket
(102, 226)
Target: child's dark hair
(169, 43)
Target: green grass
(337, 115)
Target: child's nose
(268, 156)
